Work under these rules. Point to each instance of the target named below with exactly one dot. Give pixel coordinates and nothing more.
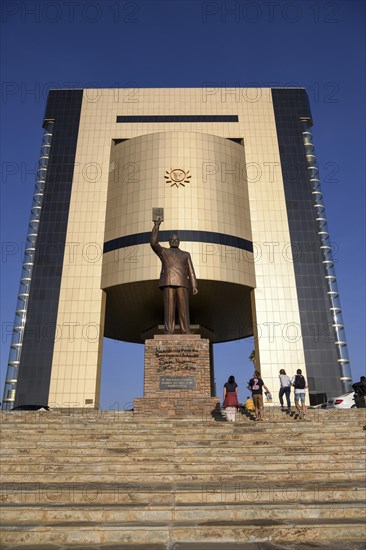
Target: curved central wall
(200, 181)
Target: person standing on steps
(231, 402)
(360, 387)
(285, 389)
(249, 405)
(299, 383)
(256, 386)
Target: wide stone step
(184, 476)
(209, 426)
(272, 436)
(193, 454)
(179, 450)
(99, 417)
(51, 421)
(163, 533)
(190, 445)
(102, 418)
(47, 448)
(179, 512)
(185, 463)
(142, 468)
(224, 492)
(233, 432)
(130, 424)
(117, 452)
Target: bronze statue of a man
(177, 274)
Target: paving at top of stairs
(333, 545)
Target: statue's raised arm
(154, 236)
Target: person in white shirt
(285, 389)
(299, 383)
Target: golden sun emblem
(177, 177)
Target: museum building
(236, 174)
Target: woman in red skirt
(231, 402)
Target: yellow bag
(249, 405)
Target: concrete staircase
(97, 479)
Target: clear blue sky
(315, 44)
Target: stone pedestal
(178, 378)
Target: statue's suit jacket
(176, 265)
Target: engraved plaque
(177, 383)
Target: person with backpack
(255, 385)
(299, 383)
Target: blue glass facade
(291, 107)
(63, 107)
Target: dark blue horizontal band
(178, 118)
(185, 235)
